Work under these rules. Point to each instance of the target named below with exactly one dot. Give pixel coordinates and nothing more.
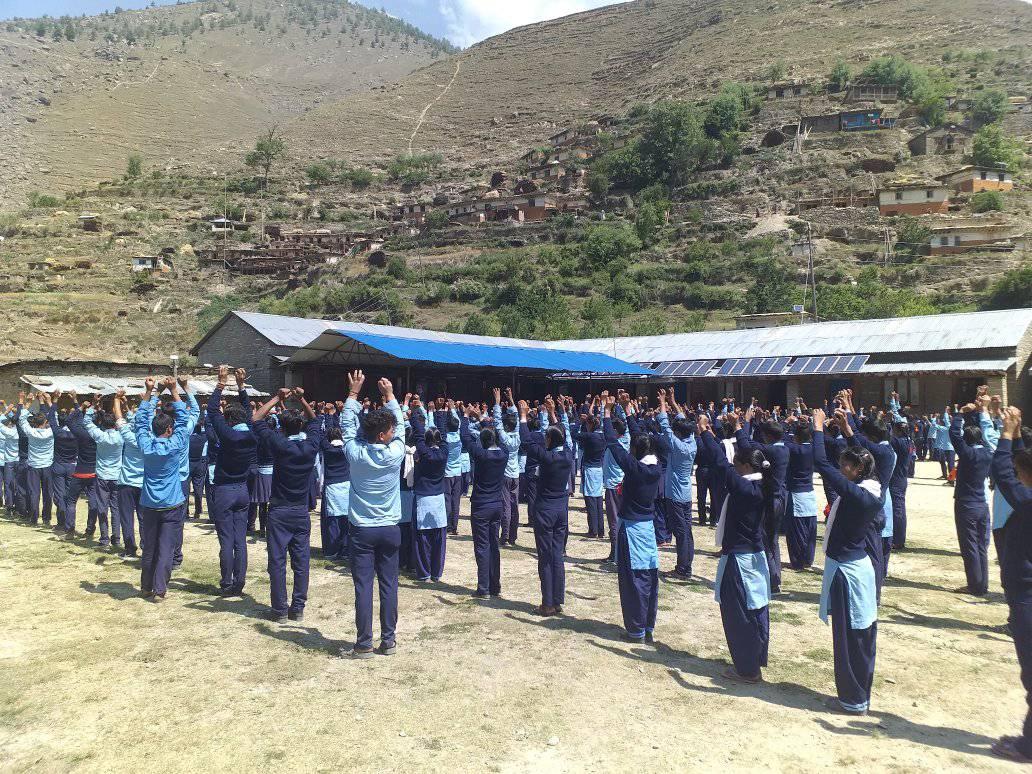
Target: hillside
(507, 93)
(181, 84)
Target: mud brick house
(913, 197)
(951, 139)
(871, 92)
(962, 237)
(414, 214)
(789, 90)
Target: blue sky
(464, 22)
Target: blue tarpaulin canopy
(350, 346)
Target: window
(899, 196)
(1001, 177)
(779, 93)
(985, 175)
(930, 193)
(956, 241)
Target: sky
(463, 22)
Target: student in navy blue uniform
(677, 440)
(259, 484)
(406, 554)
(774, 451)
(593, 449)
(213, 460)
(834, 445)
(289, 526)
(237, 448)
(534, 426)
(970, 503)
(448, 422)
(198, 465)
(39, 461)
(431, 526)
(742, 586)
(554, 460)
(637, 555)
(1012, 472)
(507, 425)
(900, 441)
(801, 519)
(66, 451)
(489, 461)
(333, 519)
(849, 590)
(84, 478)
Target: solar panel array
(685, 368)
(831, 364)
(754, 366)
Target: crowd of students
(388, 477)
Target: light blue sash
(337, 497)
(804, 504)
(755, 578)
(591, 482)
(887, 510)
(641, 542)
(862, 592)
(1002, 510)
(430, 512)
(211, 474)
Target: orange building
(972, 179)
(913, 198)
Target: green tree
(436, 220)
(597, 317)
(648, 222)
(599, 183)
(989, 106)
(723, 116)
(269, 148)
(319, 173)
(134, 167)
(912, 237)
(777, 71)
(477, 325)
(840, 75)
(605, 243)
(1012, 291)
(932, 109)
(773, 289)
(897, 71)
(992, 146)
(987, 201)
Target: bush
(436, 220)
(43, 201)
(478, 325)
(468, 290)
(359, 177)
(397, 267)
(989, 106)
(840, 75)
(134, 167)
(432, 294)
(991, 147)
(987, 201)
(1012, 291)
(319, 173)
(605, 243)
(414, 170)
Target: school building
(930, 361)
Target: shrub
(397, 267)
(606, 242)
(1012, 291)
(989, 106)
(436, 220)
(987, 201)
(43, 201)
(359, 177)
(414, 170)
(319, 173)
(468, 290)
(134, 167)
(432, 294)
(991, 147)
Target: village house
(862, 91)
(972, 179)
(587, 131)
(942, 141)
(530, 208)
(845, 121)
(573, 153)
(470, 211)
(225, 225)
(972, 235)
(88, 221)
(913, 197)
(788, 90)
(151, 264)
(414, 214)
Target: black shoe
(176, 565)
(650, 638)
(387, 648)
(634, 640)
(480, 595)
(277, 618)
(296, 616)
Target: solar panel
(799, 365)
(753, 366)
(828, 364)
(856, 363)
(684, 368)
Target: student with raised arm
(801, 519)
(637, 555)
(489, 464)
(431, 527)
(593, 449)
(554, 459)
(230, 498)
(84, 477)
(333, 519)
(507, 425)
(162, 440)
(613, 475)
(289, 526)
(849, 591)
(971, 503)
(678, 437)
(448, 421)
(130, 477)
(9, 458)
(100, 425)
(1012, 472)
(742, 585)
(40, 459)
(375, 455)
(66, 450)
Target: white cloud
(469, 21)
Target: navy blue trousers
(510, 509)
(550, 531)
(288, 532)
(679, 519)
(128, 507)
(38, 487)
(702, 484)
(9, 475)
(453, 501)
(899, 514)
(334, 533)
(973, 524)
(105, 501)
(876, 553)
(486, 522)
(21, 487)
(1020, 620)
(659, 519)
(229, 508)
(374, 551)
(854, 649)
(747, 631)
(160, 531)
(718, 493)
(772, 546)
(639, 590)
(60, 480)
(198, 481)
(431, 549)
(77, 487)
(612, 500)
(801, 538)
(596, 518)
(531, 488)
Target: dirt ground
(92, 678)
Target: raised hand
(386, 389)
(819, 418)
(223, 375)
(355, 381)
(283, 394)
(241, 376)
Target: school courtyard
(96, 679)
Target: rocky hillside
(182, 84)
(499, 97)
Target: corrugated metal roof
(973, 366)
(108, 385)
(931, 333)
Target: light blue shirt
(8, 444)
(162, 488)
(680, 462)
(375, 496)
(41, 443)
(109, 448)
(132, 458)
(508, 441)
(990, 432)
(942, 435)
(193, 413)
(453, 466)
(612, 473)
